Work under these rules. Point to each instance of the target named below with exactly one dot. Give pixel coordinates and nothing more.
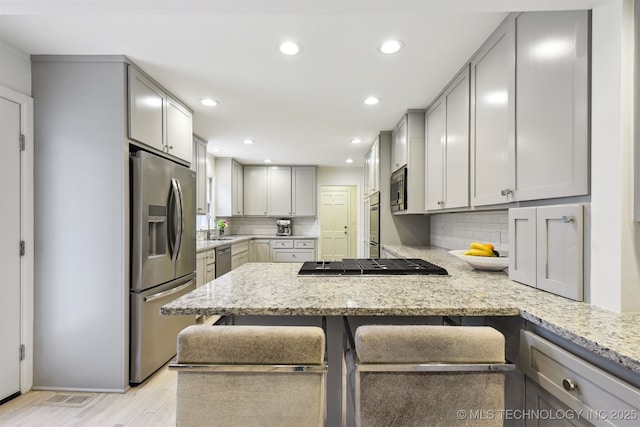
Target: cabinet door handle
(506, 192)
(441, 202)
(569, 385)
(567, 219)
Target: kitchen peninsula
(276, 290)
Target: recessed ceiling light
(371, 100)
(209, 102)
(349, 160)
(290, 48)
(391, 46)
(356, 141)
(248, 141)
(217, 150)
(267, 160)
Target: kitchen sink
(222, 238)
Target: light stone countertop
(276, 289)
(205, 245)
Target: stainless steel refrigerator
(163, 258)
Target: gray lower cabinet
(560, 381)
(205, 267)
(290, 250)
(547, 248)
(552, 412)
(260, 250)
(239, 254)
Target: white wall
(15, 68)
(615, 243)
(340, 176)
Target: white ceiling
(299, 110)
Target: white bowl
(482, 262)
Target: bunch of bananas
(482, 249)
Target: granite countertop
(204, 245)
(275, 289)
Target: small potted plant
(222, 224)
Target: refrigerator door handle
(180, 219)
(177, 220)
(167, 293)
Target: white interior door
(334, 224)
(9, 248)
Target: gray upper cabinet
(434, 154)
(199, 165)
(399, 143)
(552, 106)
(372, 169)
(146, 110)
(447, 147)
(303, 190)
(229, 187)
(179, 131)
(407, 149)
(256, 190)
(492, 121)
(530, 109)
(158, 120)
(280, 191)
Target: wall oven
(399, 190)
(374, 226)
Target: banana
(482, 246)
(479, 252)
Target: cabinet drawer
(239, 260)
(603, 398)
(304, 244)
(238, 248)
(210, 273)
(211, 257)
(299, 255)
(282, 243)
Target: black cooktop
(370, 266)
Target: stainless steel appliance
(369, 266)
(284, 227)
(374, 226)
(398, 189)
(163, 258)
(223, 260)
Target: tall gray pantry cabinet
(81, 321)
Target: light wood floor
(150, 404)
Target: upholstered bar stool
(251, 376)
(425, 375)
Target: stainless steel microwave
(399, 190)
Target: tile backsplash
(458, 230)
(267, 226)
